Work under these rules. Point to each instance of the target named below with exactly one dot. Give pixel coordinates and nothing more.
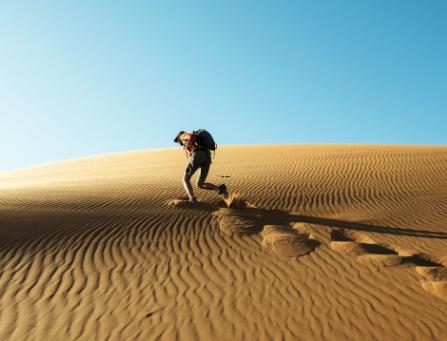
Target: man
(199, 157)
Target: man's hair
(177, 138)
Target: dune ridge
(325, 242)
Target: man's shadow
(263, 217)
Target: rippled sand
(327, 242)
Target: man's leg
(202, 177)
(189, 171)
(207, 185)
(221, 189)
(188, 187)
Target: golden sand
(327, 242)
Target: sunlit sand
(315, 242)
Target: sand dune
(327, 242)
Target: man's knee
(186, 177)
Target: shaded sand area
(321, 242)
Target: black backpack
(204, 140)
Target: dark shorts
(199, 159)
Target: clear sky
(80, 78)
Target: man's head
(177, 138)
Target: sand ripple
(101, 248)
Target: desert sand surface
(321, 242)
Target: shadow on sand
(279, 217)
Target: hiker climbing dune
(198, 146)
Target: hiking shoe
(223, 190)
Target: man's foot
(223, 190)
(192, 199)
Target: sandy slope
(335, 242)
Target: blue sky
(88, 77)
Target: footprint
(186, 204)
(286, 241)
(434, 275)
(433, 272)
(298, 239)
(234, 200)
(436, 288)
(181, 203)
(363, 247)
(234, 221)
